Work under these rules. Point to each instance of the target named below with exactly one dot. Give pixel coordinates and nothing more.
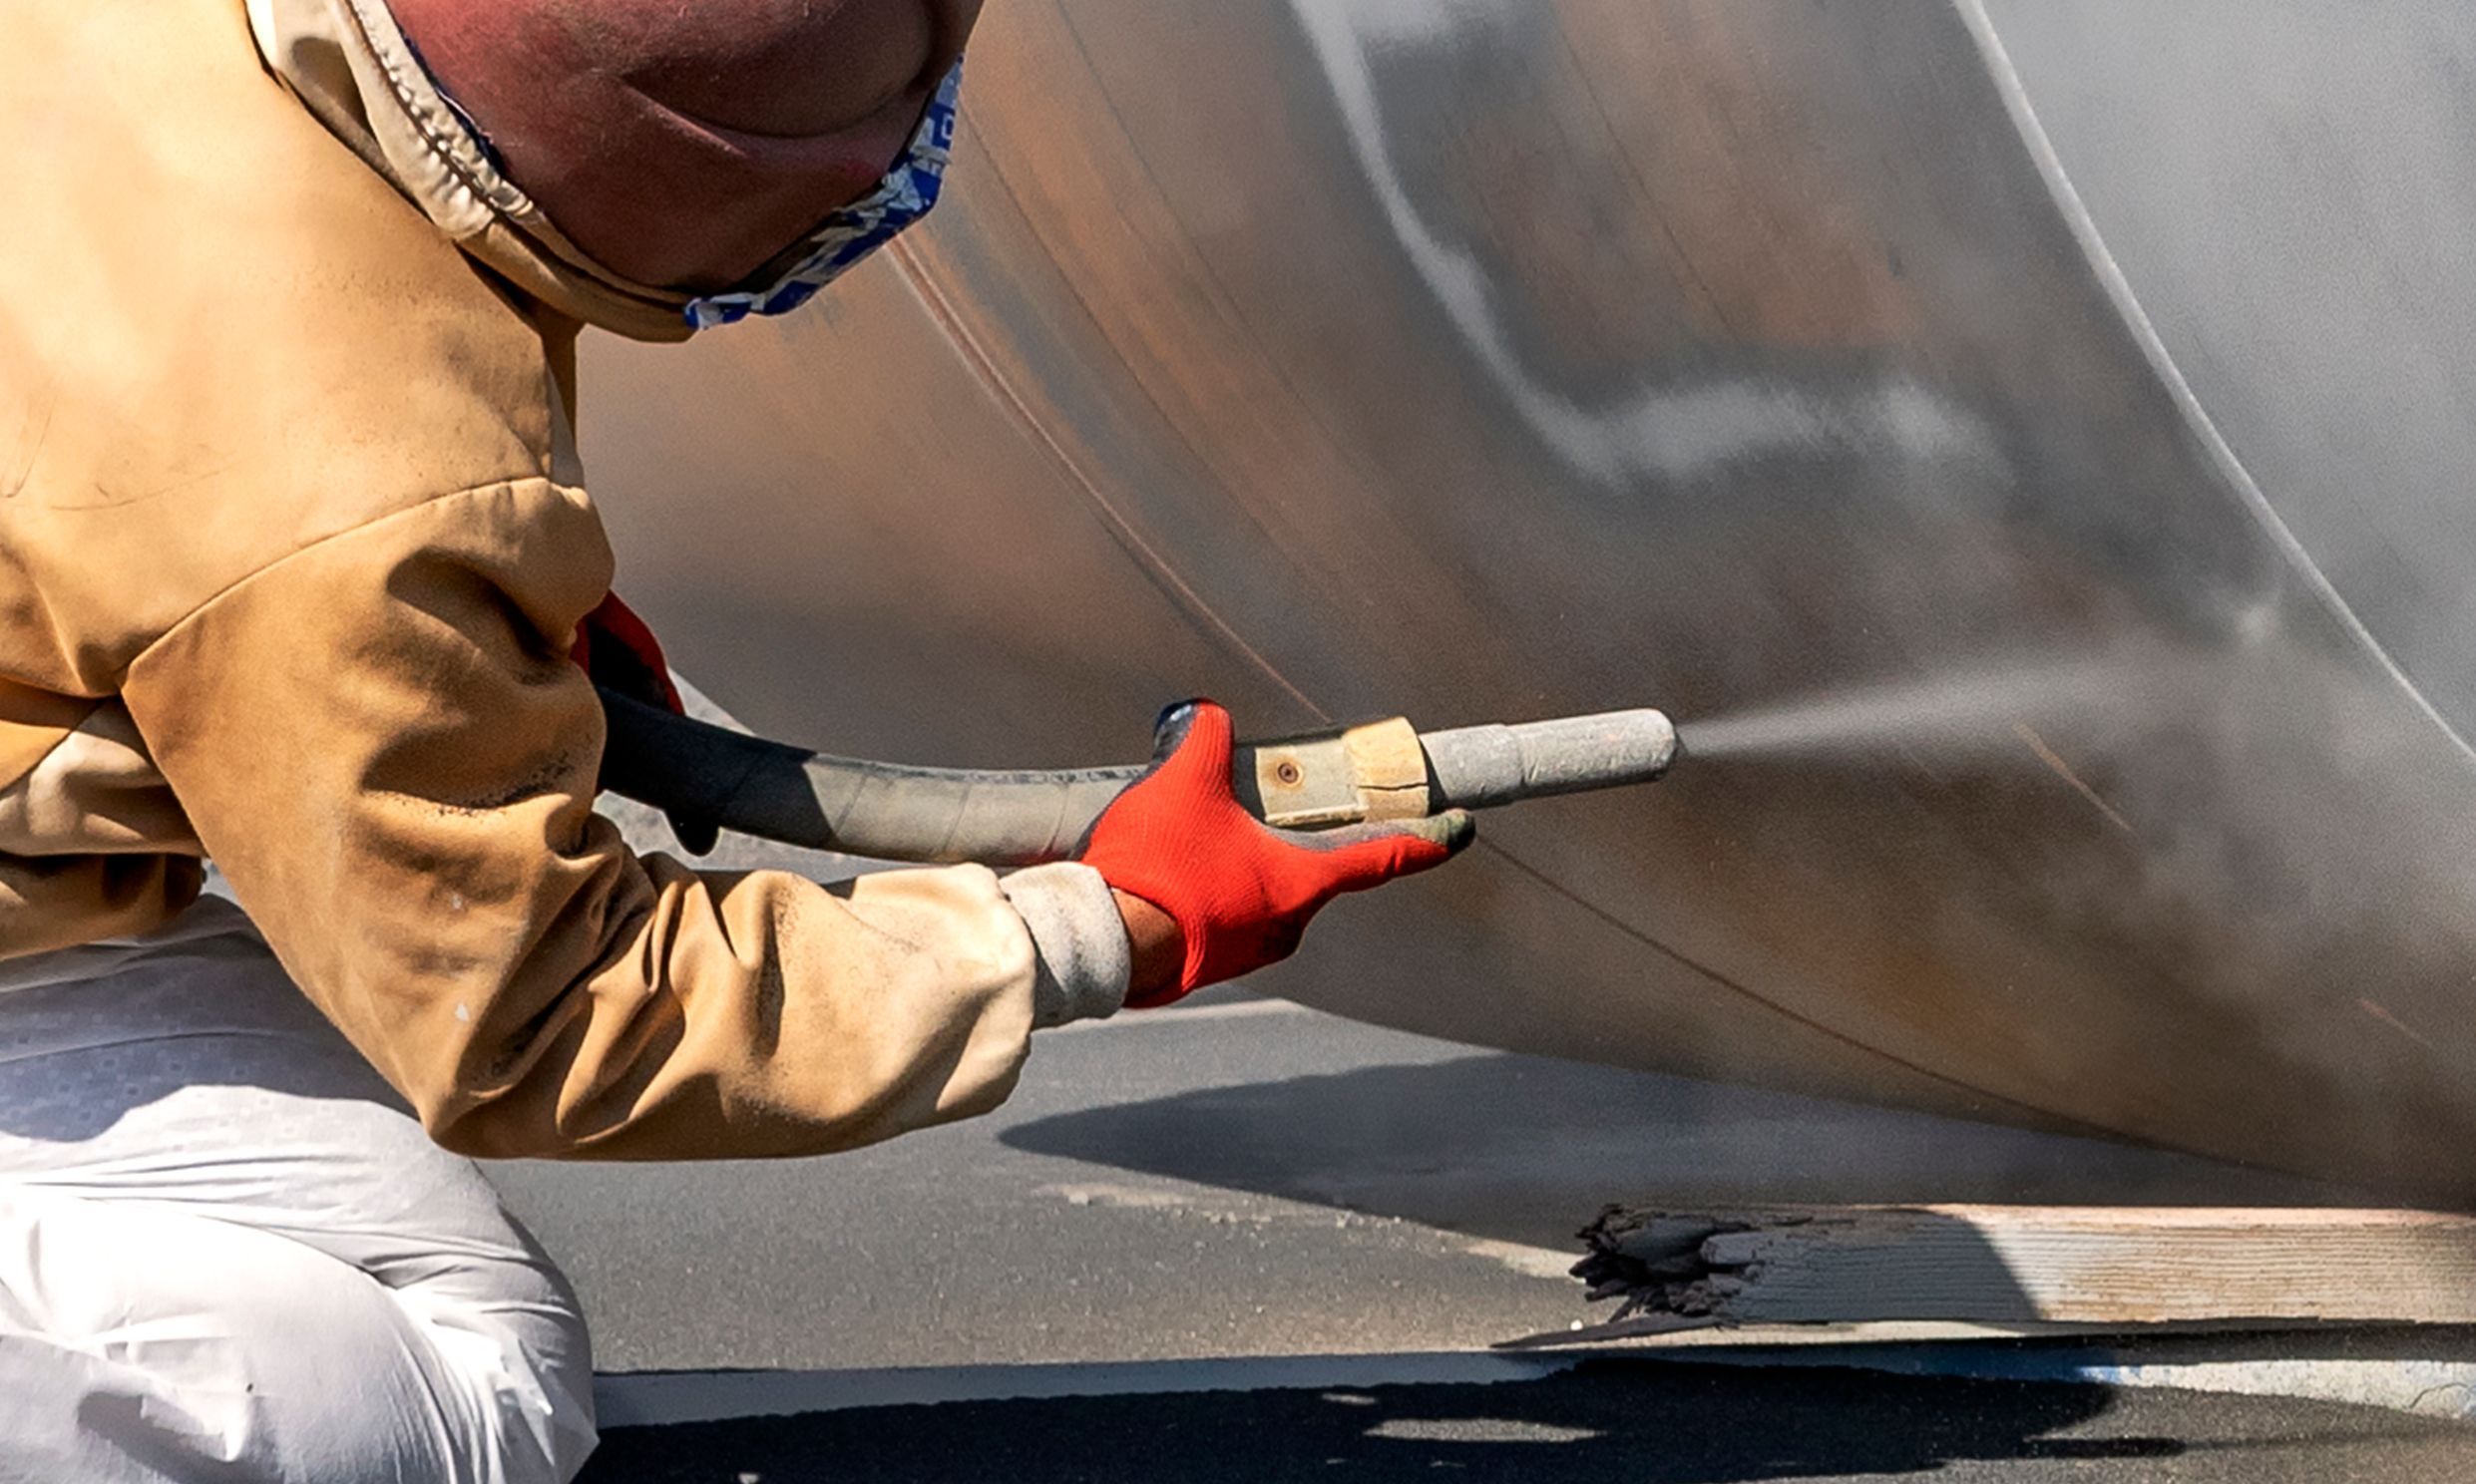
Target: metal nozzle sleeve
(1483, 766)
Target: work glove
(1240, 891)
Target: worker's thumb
(1192, 745)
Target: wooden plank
(2007, 1265)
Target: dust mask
(854, 232)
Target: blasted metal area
(2023, 446)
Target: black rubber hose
(711, 775)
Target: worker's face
(688, 145)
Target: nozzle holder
(1375, 771)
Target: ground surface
(1244, 1179)
(1648, 1424)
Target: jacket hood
(351, 67)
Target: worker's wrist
(1078, 939)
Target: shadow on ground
(1527, 1149)
(1643, 1423)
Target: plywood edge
(2015, 1265)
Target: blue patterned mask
(857, 229)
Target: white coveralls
(229, 1252)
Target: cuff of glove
(1079, 938)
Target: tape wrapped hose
(710, 776)
(885, 811)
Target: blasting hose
(694, 769)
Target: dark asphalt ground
(1639, 1422)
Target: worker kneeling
(298, 574)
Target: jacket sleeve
(380, 741)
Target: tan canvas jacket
(293, 549)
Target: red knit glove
(1240, 891)
(619, 650)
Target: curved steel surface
(1942, 415)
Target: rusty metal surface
(1770, 363)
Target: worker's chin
(692, 247)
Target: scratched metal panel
(1489, 359)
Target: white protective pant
(227, 1251)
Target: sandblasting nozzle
(1383, 770)
(1483, 766)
